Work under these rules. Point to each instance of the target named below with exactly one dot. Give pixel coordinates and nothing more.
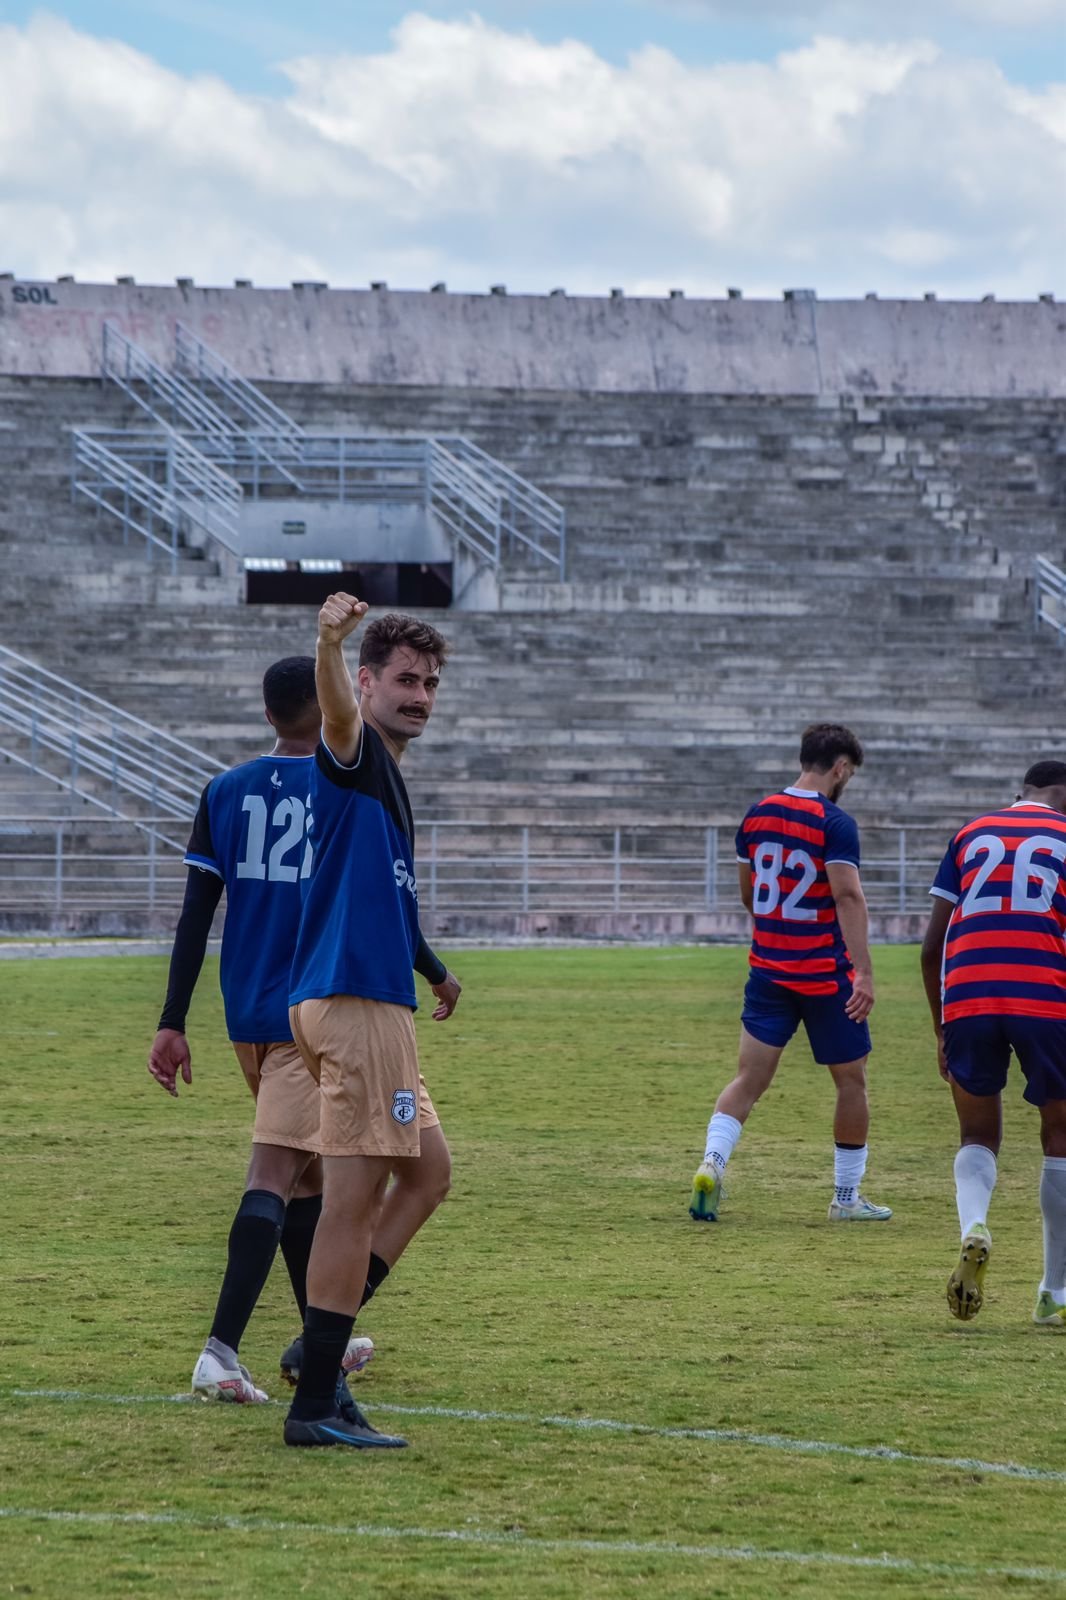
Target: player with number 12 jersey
(251, 830)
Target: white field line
(530, 1543)
(762, 1441)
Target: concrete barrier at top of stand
(795, 346)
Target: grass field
(602, 1397)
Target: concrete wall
(672, 346)
(352, 533)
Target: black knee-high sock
(326, 1335)
(376, 1273)
(253, 1243)
(297, 1237)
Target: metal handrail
(1049, 596)
(487, 507)
(194, 490)
(99, 740)
(205, 365)
(533, 519)
(156, 390)
(465, 502)
(126, 364)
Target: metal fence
(57, 869)
(59, 866)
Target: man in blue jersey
(250, 837)
(798, 856)
(352, 998)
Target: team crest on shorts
(404, 1109)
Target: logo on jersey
(275, 778)
(404, 880)
(404, 1109)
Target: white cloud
(872, 15)
(474, 154)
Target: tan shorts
(286, 1095)
(362, 1054)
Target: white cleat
(212, 1379)
(359, 1353)
(860, 1210)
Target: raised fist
(340, 616)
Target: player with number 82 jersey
(788, 839)
(251, 830)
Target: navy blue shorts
(772, 1014)
(978, 1055)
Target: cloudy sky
(845, 145)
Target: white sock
(975, 1178)
(848, 1169)
(227, 1356)
(1053, 1206)
(723, 1131)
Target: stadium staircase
(737, 567)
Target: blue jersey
(251, 830)
(359, 929)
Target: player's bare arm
(447, 992)
(932, 959)
(747, 889)
(850, 902)
(168, 1056)
(341, 722)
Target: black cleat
(353, 1430)
(346, 1406)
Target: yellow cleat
(1048, 1313)
(966, 1285)
(707, 1194)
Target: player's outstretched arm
(932, 959)
(341, 722)
(846, 889)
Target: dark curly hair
(393, 632)
(824, 742)
(289, 690)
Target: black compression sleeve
(203, 891)
(427, 965)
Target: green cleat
(707, 1194)
(1048, 1313)
(966, 1285)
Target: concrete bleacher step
(738, 567)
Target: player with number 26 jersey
(251, 831)
(1004, 954)
(994, 970)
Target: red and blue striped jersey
(788, 839)
(1004, 952)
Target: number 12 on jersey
(291, 815)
